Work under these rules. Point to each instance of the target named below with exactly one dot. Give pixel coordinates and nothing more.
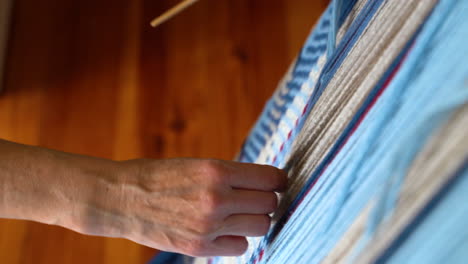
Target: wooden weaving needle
(172, 12)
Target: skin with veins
(198, 207)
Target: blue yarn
(434, 26)
(336, 9)
(435, 87)
(316, 45)
(438, 234)
(333, 63)
(434, 113)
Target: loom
(370, 122)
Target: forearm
(54, 187)
(192, 206)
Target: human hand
(194, 207)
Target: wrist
(77, 192)
(90, 196)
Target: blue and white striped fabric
(282, 112)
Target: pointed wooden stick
(172, 12)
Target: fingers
(232, 241)
(252, 202)
(230, 245)
(219, 204)
(246, 225)
(257, 177)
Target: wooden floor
(91, 77)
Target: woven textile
(370, 123)
(282, 111)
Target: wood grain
(92, 77)
(5, 14)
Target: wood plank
(92, 77)
(5, 14)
